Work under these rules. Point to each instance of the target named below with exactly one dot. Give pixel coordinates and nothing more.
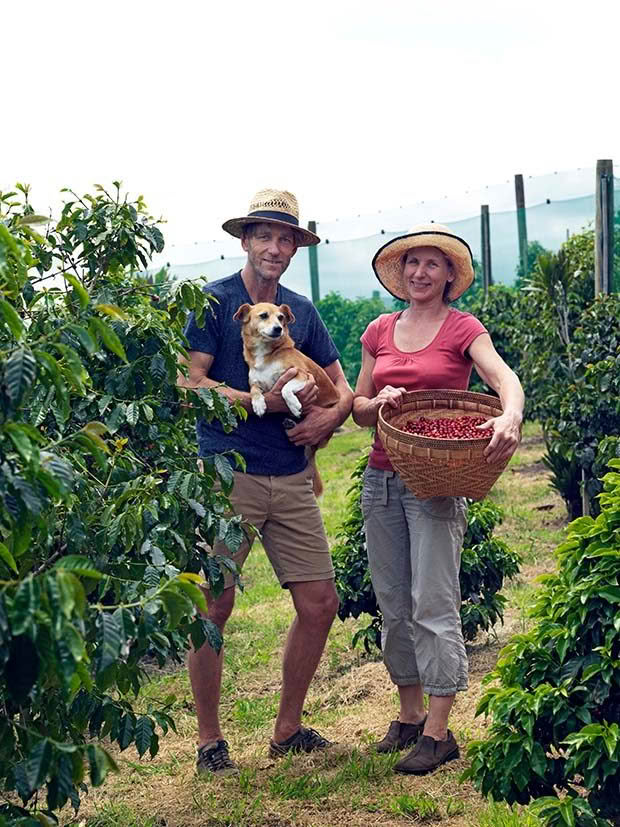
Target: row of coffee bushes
(565, 345)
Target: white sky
(353, 105)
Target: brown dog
(269, 351)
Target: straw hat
(388, 260)
(275, 207)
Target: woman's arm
(496, 373)
(367, 401)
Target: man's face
(270, 248)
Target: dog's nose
(276, 330)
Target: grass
(351, 699)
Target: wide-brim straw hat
(275, 207)
(388, 262)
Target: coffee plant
(346, 320)
(485, 562)
(555, 700)
(570, 365)
(100, 498)
(499, 311)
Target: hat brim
(388, 266)
(235, 227)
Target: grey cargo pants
(414, 552)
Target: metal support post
(604, 228)
(487, 277)
(521, 224)
(314, 266)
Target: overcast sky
(354, 106)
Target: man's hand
(316, 428)
(306, 396)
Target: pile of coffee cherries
(461, 427)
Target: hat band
(276, 216)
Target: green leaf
(38, 764)
(7, 557)
(84, 337)
(60, 469)
(78, 565)
(143, 733)
(176, 606)
(224, 469)
(133, 413)
(73, 369)
(126, 730)
(538, 760)
(126, 624)
(20, 538)
(32, 218)
(610, 593)
(109, 338)
(25, 605)
(80, 290)
(19, 373)
(193, 592)
(10, 316)
(110, 640)
(213, 634)
(158, 239)
(113, 311)
(116, 418)
(174, 480)
(93, 431)
(20, 439)
(72, 593)
(100, 763)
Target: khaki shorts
(285, 512)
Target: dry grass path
(351, 700)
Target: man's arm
(320, 423)
(199, 365)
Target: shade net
(557, 205)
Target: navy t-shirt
(262, 441)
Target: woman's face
(425, 273)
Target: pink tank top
(443, 363)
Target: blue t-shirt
(262, 441)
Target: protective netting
(557, 205)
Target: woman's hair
(448, 261)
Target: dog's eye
(264, 316)
(281, 317)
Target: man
(275, 494)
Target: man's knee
(220, 607)
(315, 601)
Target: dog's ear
(288, 313)
(242, 313)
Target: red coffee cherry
(461, 427)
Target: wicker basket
(440, 467)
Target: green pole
(485, 233)
(604, 228)
(314, 266)
(521, 223)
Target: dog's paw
(259, 406)
(294, 405)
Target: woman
(414, 546)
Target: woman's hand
(391, 396)
(506, 436)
